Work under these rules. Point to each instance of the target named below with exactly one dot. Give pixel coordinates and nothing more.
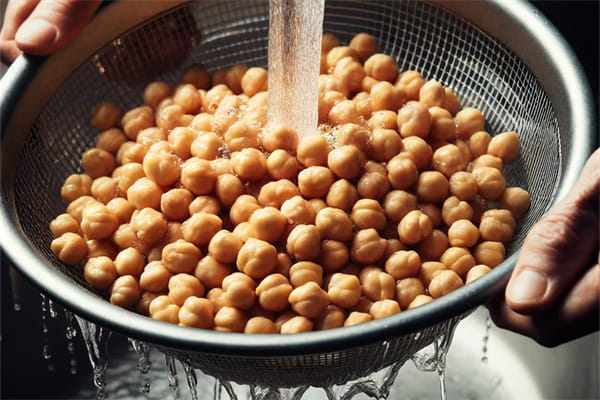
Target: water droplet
(16, 307)
(52, 309)
(146, 387)
(46, 353)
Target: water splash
(258, 392)
(96, 340)
(192, 379)
(171, 369)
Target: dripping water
(96, 341)
(46, 348)
(171, 369)
(143, 364)
(486, 338)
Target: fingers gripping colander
(498, 56)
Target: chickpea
(197, 75)
(155, 277)
(154, 139)
(505, 145)
(230, 319)
(254, 80)
(69, 248)
(443, 283)
(414, 227)
(357, 317)
(377, 284)
(367, 247)
(334, 224)
(384, 308)
(105, 115)
(217, 297)
(490, 182)
(328, 41)
(342, 194)
(162, 168)
(305, 271)
(234, 77)
(344, 290)
(249, 164)
(385, 96)
(100, 272)
(407, 290)
(214, 96)
(181, 139)
(182, 286)
(373, 185)
(143, 304)
(144, 193)
(463, 233)
(350, 73)
(110, 140)
(429, 269)
(268, 224)
(284, 263)
(420, 300)
(497, 225)
(280, 136)
(130, 261)
(476, 272)
(97, 162)
(433, 211)
(298, 211)
(273, 292)
(282, 165)
(368, 213)
(413, 81)
(403, 264)
(98, 222)
(414, 119)
(432, 94)
(257, 258)
(333, 317)
(478, 143)
(296, 324)
(383, 119)
(432, 186)
(463, 185)
(64, 223)
(317, 204)
(448, 160)
(364, 45)
(206, 145)
(196, 312)
(516, 200)
(125, 291)
(127, 175)
(175, 204)
(240, 135)
(309, 300)
(224, 246)
(420, 150)
(333, 255)
(381, 67)
(458, 259)
(199, 228)
(211, 272)
(239, 291)
(150, 225)
(353, 134)
(228, 188)
(75, 186)
(137, 119)
(398, 203)
(180, 256)
(155, 92)
(393, 246)
(432, 247)
(274, 194)
(242, 208)
(98, 248)
(204, 204)
(335, 54)
(402, 171)
(260, 325)
(363, 104)
(315, 181)
(121, 208)
(76, 207)
(487, 160)
(134, 153)
(326, 102)
(344, 112)
(345, 161)
(303, 242)
(188, 98)
(313, 150)
(198, 176)
(455, 209)
(468, 121)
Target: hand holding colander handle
(553, 295)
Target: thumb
(53, 24)
(558, 249)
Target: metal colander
(499, 56)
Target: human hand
(42, 27)
(553, 294)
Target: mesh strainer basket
(499, 56)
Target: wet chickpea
(357, 317)
(230, 319)
(489, 253)
(455, 209)
(458, 259)
(181, 286)
(197, 75)
(463, 233)
(373, 185)
(385, 96)
(254, 80)
(350, 73)
(155, 92)
(162, 168)
(273, 292)
(384, 308)
(125, 291)
(243, 207)
(342, 194)
(198, 176)
(384, 144)
(260, 325)
(127, 174)
(377, 284)
(98, 248)
(205, 204)
(432, 187)
(412, 81)
(346, 161)
(228, 188)
(490, 182)
(297, 324)
(155, 277)
(234, 77)
(136, 119)
(303, 242)
(133, 152)
(443, 283)
(476, 272)
(64, 223)
(433, 211)
(143, 305)
(110, 140)
(420, 151)
(97, 162)
(403, 264)
(313, 150)
(344, 290)
(207, 145)
(274, 194)
(199, 228)
(239, 291)
(414, 227)
(172, 116)
(505, 145)
(344, 112)
(381, 67)
(516, 200)
(214, 96)
(463, 185)
(365, 45)
(478, 143)
(487, 160)
(333, 255)
(100, 272)
(432, 247)
(429, 269)
(196, 312)
(188, 98)
(211, 272)
(383, 119)
(448, 160)
(268, 224)
(451, 102)
(468, 121)
(180, 256)
(143, 193)
(368, 213)
(420, 300)
(309, 300)
(282, 165)
(281, 136)
(398, 203)
(75, 186)
(150, 225)
(297, 210)
(69, 248)
(497, 225)
(98, 222)
(175, 204)
(363, 103)
(105, 115)
(367, 247)
(333, 317)
(353, 134)
(257, 258)
(181, 139)
(155, 139)
(328, 41)
(130, 261)
(76, 207)
(315, 181)
(249, 164)
(305, 271)
(402, 171)
(335, 54)
(407, 290)
(224, 246)
(432, 94)
(121, 208)
(334, 224)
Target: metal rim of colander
(577, 108)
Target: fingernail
(36, 32)
(529, 286)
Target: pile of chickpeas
(192, 210)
